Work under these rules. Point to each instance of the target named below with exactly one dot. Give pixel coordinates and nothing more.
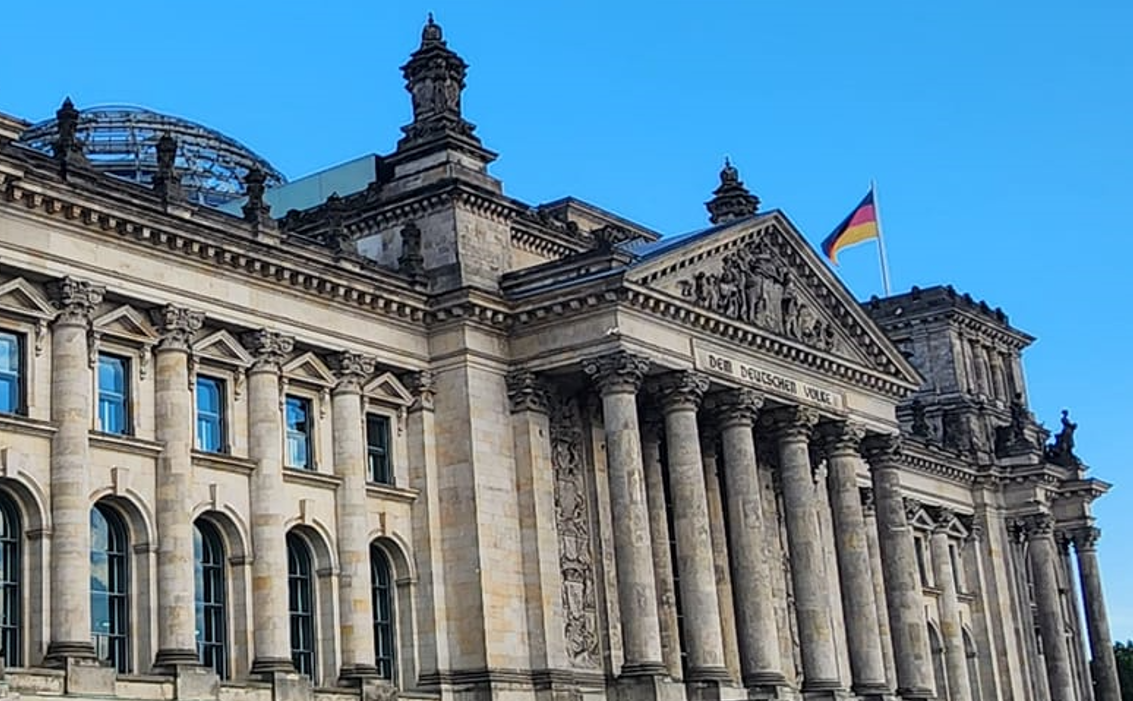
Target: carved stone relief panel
(572, 516)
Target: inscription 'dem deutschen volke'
(756, 376)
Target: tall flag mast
(862, 224)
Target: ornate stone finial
(527, 392)
(67, 148)
(423, 386)
(176, 325)
(1061, 452)
(881, 449)
(337, 238)
(731, 200)
(269, 348)
(256, 209)
(791, 422)
(617, 372)
(166, 181)
(76, 299)
(680, 390)
(736, 407)
(841, 438)
(351, 369)
(411, 262)
(434, 77)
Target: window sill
(126, 444)
(390, 492)
(310, 478)
(22, 424)
(223, 461)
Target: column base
(173, 658)
(643, 669)
(59, 652)
(762, 679)
(647, 688)
(356, 674)
(822, 685)
(708, 674)
(268, 667)
(916, 693)
(877, 691)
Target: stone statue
(1062, 451)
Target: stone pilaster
(841, 442)
(174, 415)
(756, 629)
(71, 404)
(651, 436)
(680, 394)
(907, 625)
(535, 481)
(869, 514)
(1039, 531)
(349, 432)
(1103, 666)
(270, 624)
(618, 377)
(955, 657)
(793, 427)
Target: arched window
(301, 597)
(973, 658)
(212, 616)
(10, 569)
(109, 587)
(381, 602)
(938, 673)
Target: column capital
(682, 389)
(735, 407)
(792, 422)
(1085, 539)
(617, 372)
(975, 532)
(176, 326)
(881, 449)
(423, 385)
(76, 299)
(351, 369)
(527, 392)
(841, 438)
(1033, 526)
(269, 348)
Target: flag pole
(880, 239)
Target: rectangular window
(298, 418)
(378, 449)
(918, 546)
(113, 394)
(11, 373)
(210, 415)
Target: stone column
(951, 632)
(756, 628)
(662, 554)
(907, 626)
(793, 427)
(1039, 530)
(349, 429)
(71, 404)
(618, 377)
(1103, 666)
(270, 623)
(174, 416)
(680, 395)
(842, 441)
(720, 558)
(999, 376)
(869, 513)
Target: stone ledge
(391, 493)
(311, 478)
(223, 462)
(125, 444)
(23, 424)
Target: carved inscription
(572, 515)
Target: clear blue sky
(999, 133)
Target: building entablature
(942, 304)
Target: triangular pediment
(761, 272)
(19, 297)
(309, 368)
(918, 518)
(386, 388)
(128, 323)
(222, 347)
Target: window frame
(224, 446)
(212, 609)
(299, 552)
(127, 393)
(11, 581)
(385, 626)
(309, 419)
(118, 641)
(372, 471)
(21, 374)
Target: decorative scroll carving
(269, 349)
(423, 386)
(682, 389)
(617, 372)
(755, 287)
(841, 438)
(572, 518)
(526, 392)
(177, 326)
(352, 369)
(76, 300)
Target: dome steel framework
(122, 141)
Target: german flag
(860, 226)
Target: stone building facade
(426, 440)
